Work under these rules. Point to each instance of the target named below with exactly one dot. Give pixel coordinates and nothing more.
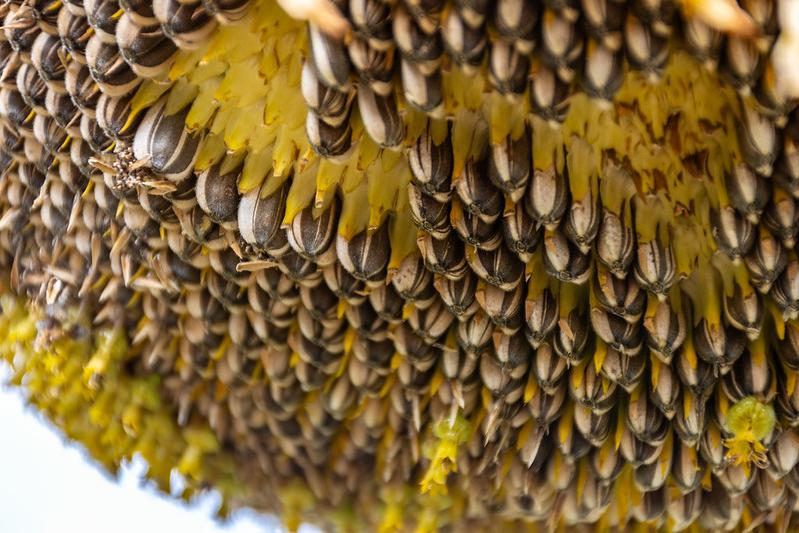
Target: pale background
(48, 486)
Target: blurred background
(48, 485)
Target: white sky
(47, 486)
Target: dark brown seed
(516, 19)
(741, 62)
(603, 72)
(431, 163)
(748, 192)
(734, 234)
(619, 334)
(645, 421)
(751, 375)
(743, 310)
(146, 49)
(548, 368)
(381, 117)
(343, 284)
(563, 261)
(109, 69)
(655, 267)
(547, 196)
(473, 230)
(786, 290)
(646, 50)
(386, 303)
(561, 43)
(311, 234)
(464, 43)
(546, 408)
(422, 91)
(474, 335)
(765, 261)
(445, 256)
(571, 338)
(428, 213)
(520, 233)
(697, 376)
(326, 140)
(510, 164)
(374, 67)
(259, 218)
(549, 95)
(592, 391)
(331, 105)
(624, 370)
(479, 197)
(581, 225)
(458, 295)
(413, 282)
(508, 68)
(541, 312)
(366, 255)
(718, 345)
(187, 24)
(505, 309)
(622, 297)
(417, 38)
(372, 18)
(604, 20)
(166, 143)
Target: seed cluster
(471, 261)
